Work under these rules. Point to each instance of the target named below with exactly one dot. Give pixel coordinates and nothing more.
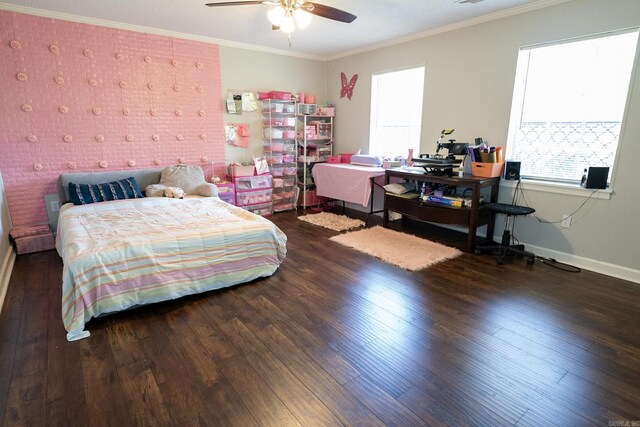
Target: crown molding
(151, 30)
(455, 26)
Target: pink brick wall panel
(91, 79)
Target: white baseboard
(5, 274)
(608, 269)
(613, 270)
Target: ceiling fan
(289, 14)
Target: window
(396, 112)
(568, 103)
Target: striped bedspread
(125, 253)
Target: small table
(346, 182)
(471, 217)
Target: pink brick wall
(79, 97)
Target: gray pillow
(207, 190)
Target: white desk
(342, 181)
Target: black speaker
(512, 170)
(595, 177)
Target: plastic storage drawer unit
(263, 209)
(253, 197)
(228, 196)
(250, 183)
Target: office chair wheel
(530, 261)
(500, 261)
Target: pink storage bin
(284, 182)
(276, 121)
(277, 170)
(273, 158)
(276, 94)
(290, 170)
(283, 206)
(310, 198)
(279, 121)
(288, 158)
(262, 95)
(346, 158)
(225, 187)
(334, 159)
(273, 146)
(228, 196)
(288, 134)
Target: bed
(126, 253)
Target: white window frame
(375, 102)
(560, 186)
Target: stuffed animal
(174, 192)
(190, 179)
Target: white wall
(255, 71)
(5, 222)
(469, 84)
(7, 256)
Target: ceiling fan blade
(328, 12)
(238, 3)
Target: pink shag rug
(404, 250)
(332, 221)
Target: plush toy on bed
(174, 192)
(186, 177)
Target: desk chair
(505, 248)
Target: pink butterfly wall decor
(347, 88)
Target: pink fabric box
(345, 158)
(239, 170)
(310, 198)
(31, 238)
(276, 94)
(334, 159)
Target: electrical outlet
(566, 221)
(55, 206)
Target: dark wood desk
(471, 217)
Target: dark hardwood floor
(334, 337)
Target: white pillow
(399, 188)
(155, 190)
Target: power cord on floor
(559, 265)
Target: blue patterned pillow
(84, 194)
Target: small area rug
(404, 250)
(332, 221)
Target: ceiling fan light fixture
(276, 15)
(287, 25)
(302, 18)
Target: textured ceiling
(378, 22)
